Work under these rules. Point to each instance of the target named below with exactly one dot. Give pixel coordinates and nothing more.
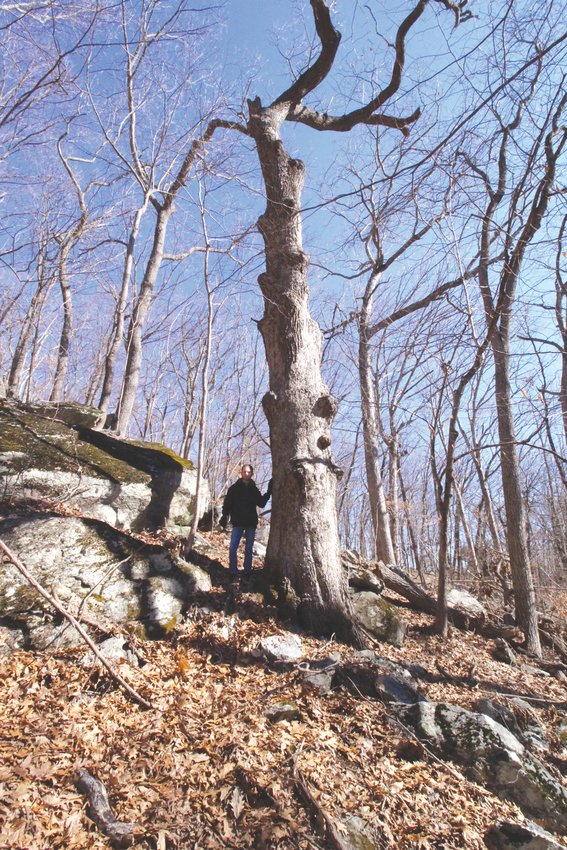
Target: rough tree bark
(369, 405)
(66, 242)
(303, 554)
(499, 310)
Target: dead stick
(324, 821)
(69, 617)
(120, 833)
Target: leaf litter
(204, 768)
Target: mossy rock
(29, 440)
(127, 483)
(379, 617)
(95, 570)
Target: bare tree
(36, 68)
(527, 204)
(66, 240)
(299, 408)
(45, 276)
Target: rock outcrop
(514, 836)
(375, 614)
(97, 572)
(55, 455)
(492, 756)
(56, 452)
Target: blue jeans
(235, 538)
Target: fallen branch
(555, 642)
(70, 619)
(324, 821)
(537, 701)
(397, 580)
(121, 834)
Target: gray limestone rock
(96, 571)
(493, 756)
(281, 649)
(462, 600)
(379, 677)
(283, 711)
(125, 483)
(360, 835)
(379, 617)
(317, 681)
(69, 412)
(505, 835)
(317, 675)
(503, 652)
(112, 649)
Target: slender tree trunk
(378, 508)
(62, 365)
(303, 555)
(393, 451)
(409, 525)
(118, 320)
(66, 243)
(131, 377)
(466, 527)
(516, 534)
(204, 406)
(29, 328)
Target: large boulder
(55, 453)
(505, 835)
(492, 756)
(466, 603)
(97, 572)
(379, 617)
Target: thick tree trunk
(380, 519)
(522, 578)
(303, 555)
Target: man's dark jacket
(241, 501)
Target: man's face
(246, 473)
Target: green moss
(170, 625)
(52, 446)
(158, 447)
(22, 597)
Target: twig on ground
(69, 617)
(324, 821)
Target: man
(240, 504)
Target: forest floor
(205, 768)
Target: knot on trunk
(297, 165)
(325, 407)
(297, 259)
(269, 402)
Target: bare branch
(310, 79)
(76, 625)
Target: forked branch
(371, 112)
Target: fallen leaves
(204, 768)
